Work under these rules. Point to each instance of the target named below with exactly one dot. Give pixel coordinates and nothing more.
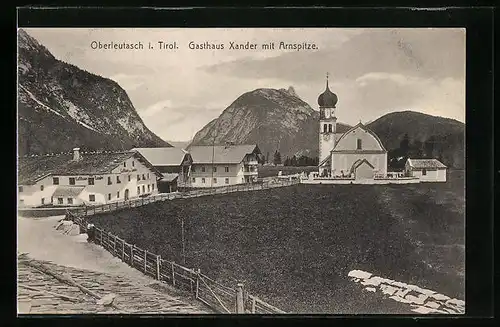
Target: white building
(430, 170)
(357, 153)
(223, 165)
(84, 178)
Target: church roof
(163, 156)
(327, 99)
(361, 125)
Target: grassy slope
(294, 246)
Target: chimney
(76, 154)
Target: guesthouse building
(222, 165)
(173, 163)
(427, 170)
(88, 178)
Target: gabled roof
(358, 163)
(33, 168)
(362, 126)
(425, 163)
(169, 177)
(221, 154)
(163, 156)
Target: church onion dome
(327, 99)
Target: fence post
(239, 299)
(94, 210)
(145, 262)
(158, 261)
(253, 304)
(101, 238)
(114, 246)
(197, 281)
(142, 201)
(132, 255)
(123, 250)
(173, 274)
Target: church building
(357, 153)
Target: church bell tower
(327, 121)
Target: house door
(126, 194)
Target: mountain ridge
(61, 106)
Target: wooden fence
(219, 297)
(92, 210)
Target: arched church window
(324, 128)
(329, 128)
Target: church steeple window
(329, 128)
(324, 128)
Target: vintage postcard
(241, 170)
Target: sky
(178, 91)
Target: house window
(149, 188)
(358, 145)
(215, 180)
(109, 196)
(424, 172)
(55, 180)
(226, 169)
(133, 163)
(153, 187)
(329, 128)
(129, 178)
(125, 164)
(192, 169)
(70, 200)
(138, 190)
(194, 180)
(143, 189)
(118, 194)
(41, 187)
(109, 180)
(59, 200)
(43, 200)
(20, 189)
(138, 177)
(118, 181)
(92, 197)
(203, 169)
(71, 181)
(226, 180)
(91, 180)
(148, 175)
(215, 169)
(143, 177)
(203, 180)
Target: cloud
(373, 71)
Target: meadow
(294, 246)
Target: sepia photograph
(241, 171)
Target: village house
(84, 178)
(223, 165)
(173, 163)
(430, 170)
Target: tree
(429, 146)
(277, 158)
(287, 161)
(404, 145)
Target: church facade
(357, 153)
